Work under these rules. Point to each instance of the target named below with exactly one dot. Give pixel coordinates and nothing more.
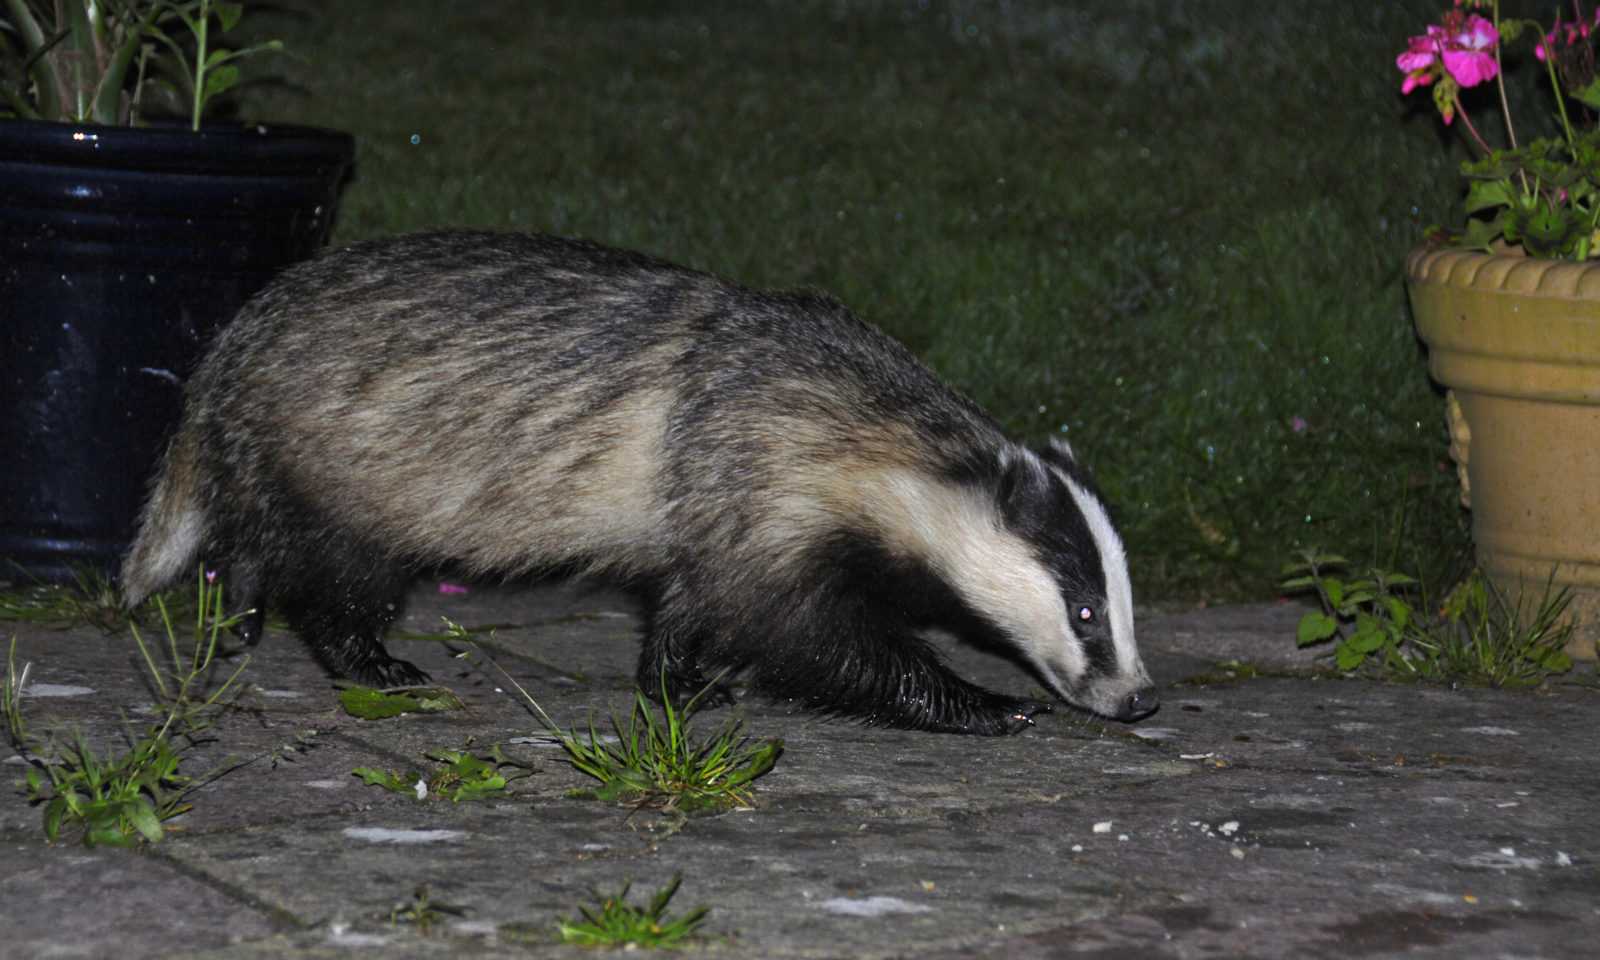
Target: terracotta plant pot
(1517, 342)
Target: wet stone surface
(1283, 815)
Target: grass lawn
(1172, 232)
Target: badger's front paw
(390, 672)
(1006, 716)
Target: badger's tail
(170, 526)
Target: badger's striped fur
(790, 492)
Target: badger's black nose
(1139, 704)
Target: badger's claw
(1021, 713)
(1004, 717)
(391, 672)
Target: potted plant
(125, 241)
(1509, 306)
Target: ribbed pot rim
(1512, 273)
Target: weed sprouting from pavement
(422, 911)
(122, 799)
(658, 761)
(1479, 636)
(90, 599)
(616, 922)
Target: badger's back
(515, 402)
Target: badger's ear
(1058, 452)
(1023, 477)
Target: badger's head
(1054, 582)
(1082, 641)
(1024, 544)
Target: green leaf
(1546, 231)
(1315, 628)
(1335, 591)
(53, 812)
(1480, 234)
(1555, 661)
(1347, 657)
(367, 703)
(228, 14)
(1369, 635)
(1295, 584)
(1486, 194)
(1589, 96)
(1399, 612)
(143, 818)
(220, 79)
(1360, 595)
(399, 783)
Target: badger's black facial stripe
(1043, 512)
(1099, 649)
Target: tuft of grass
(660, 762)
(1479, 636)
(123, 799)
(89, 600)
(1486, 637)
(618, 923)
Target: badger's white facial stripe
(1119, 590)
(958, 532)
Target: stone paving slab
(1285, 815)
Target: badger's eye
(1085, 614)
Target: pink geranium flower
(1418, 60)
(1469, 52)
(1574, 32)
(1463, 47)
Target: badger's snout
(1138, 704)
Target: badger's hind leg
(341, 611)
(241, 582)
(670, 653)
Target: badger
(792, 496)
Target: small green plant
(422, 911)
(93, 60)
(1484, 637)
(123, 799)
(618, 923)
(89, 600)
(465, 775)
(367, 703)
(1478, 637)
(1368, 614)
(660, 763)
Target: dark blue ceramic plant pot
(122, 250)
